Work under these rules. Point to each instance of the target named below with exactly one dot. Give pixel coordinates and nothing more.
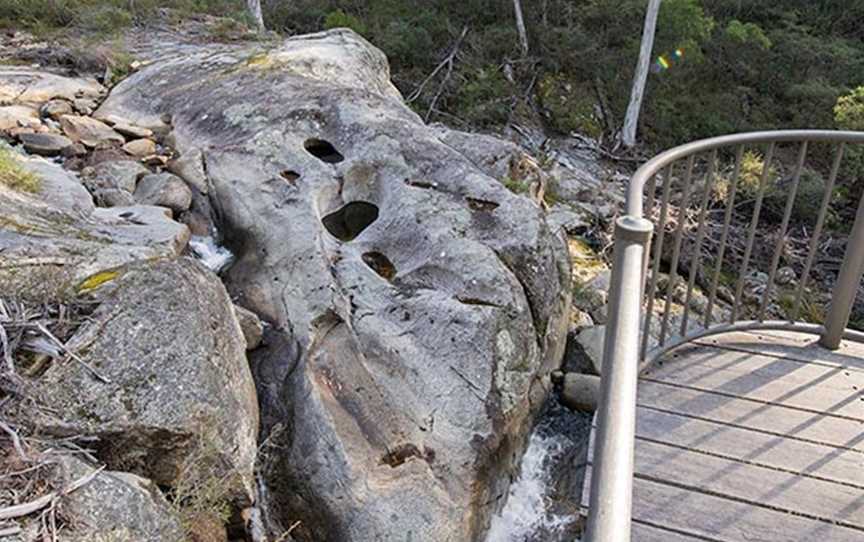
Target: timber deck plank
(741, 438)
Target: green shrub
(340, 19)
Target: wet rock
(164, 190)
(44, 144)
(89, 131)
(54, 109)
(376, 250)
(149, 420)
(114, 506)
(140, 147)
(16, 116)
(253, 329)
(580, 392)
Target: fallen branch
(24, 509)
(16, 440)
(447, 60)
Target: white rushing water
(526, 515)
(211, 254)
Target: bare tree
(631, 121)
(255, 11)
(520, 26)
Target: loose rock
(140, 147)
(55, 109)
(44, 144)
(16, 116)
(89, 131)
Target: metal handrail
(625, 354)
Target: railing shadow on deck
(633, 340)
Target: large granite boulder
(416, 306)
(158, 368)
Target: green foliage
(747, 34)
(568, 106)
(849, 110)
(340, 19)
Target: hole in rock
(350, 220)
(290, 175)
(402, 453)
(380, 263)
(323, 150)
(481, 204)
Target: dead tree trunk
(631, 121)
(520, 27)
(254, 7)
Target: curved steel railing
(633, 339)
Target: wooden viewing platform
(750, 436)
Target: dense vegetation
(742, 64)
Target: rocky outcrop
(416, 305)
(156, 372)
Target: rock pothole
(323, 150)
(380, 263)
(350, 220)
(290, 175)
(399, 455)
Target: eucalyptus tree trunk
(631, 121)
(254, 7)
(520, 26)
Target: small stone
(164, 190)
(89, 131)
(250, 324)
(190, 166)
(44, 144)
(140, 147)
(155, 160)
(74, 150)
(132, 131)
(55, 109)
(85, 106)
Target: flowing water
(543, 502)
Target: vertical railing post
(843, 296)
(612, 464)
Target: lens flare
(665, 62)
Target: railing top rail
(655, 165)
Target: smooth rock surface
(44, 144)
(115, 506)
(14, 116)
(119, 174)
(164, 190)
(28, 85)
(140, 147)
(417, 305)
